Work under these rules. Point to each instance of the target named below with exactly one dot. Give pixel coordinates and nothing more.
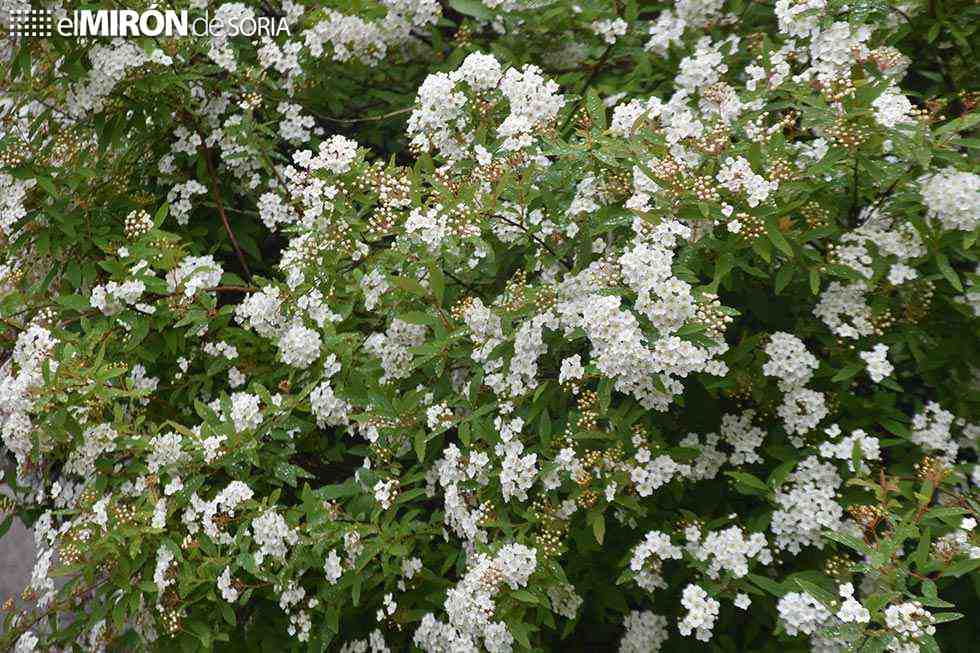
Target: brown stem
(216, 195)
(535, 239)
(383, 116)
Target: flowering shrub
(498, 325)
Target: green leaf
(962, 567)
(48, 185)
(524, 596)
(473, 8)
(784, 276)
(849, 541)
(228, 614)
(596, 109)
(777, 238)
(339, 491)
(960, 124)
(410, 285)
(767, 584)
(875, 644)
(948, 272)
(418, 317)
(848, 372)
(897, 428)
(814, 281)
(599, 528)
(74, 302)
(817, 592)
(160, 215)
(746, 481)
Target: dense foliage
(500, 325)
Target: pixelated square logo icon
(30, 22)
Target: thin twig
(11, 324)
(216, 194)
(384, 116)
(459, 281)
(535, 239)
(854, 193)
(588, 82)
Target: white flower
(892, 108)
(193, 274)
(610, 29)
(789, 361)
(646, 632)
(273, 535)
(299, 346)
(385, 492)
(953, 198)
(702, 611)
(332, 567)
(878, 365)
(801, 613)
(851, 610)
(228, 593)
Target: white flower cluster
(807, 507)
(195, 273)
(739, 432)
(801, 613)
(351, 37)
(901, 241)
(851, 610)
(273, 535)
(953, 198)
(648, 558)
(729, 550)
(470, 604)
(645, 632)
(610, 29)
(327, 407)
(909, 621)
(385, 492)
(441, 118)
(702, 611)
(834, 50)
(844, 310)
(877, 362)
(892, 108)
(260, 312)
(931, 431)
(798, 18)
(737, 176)
(111, 62)
(179, 199)
(844, 449)
(13, 193)
(392, 347)
(789, 361)
(111, 297)
(33, 348)
(294, 126)
(228, 593)
(200, 514)
(299, 346)
(161, 578)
